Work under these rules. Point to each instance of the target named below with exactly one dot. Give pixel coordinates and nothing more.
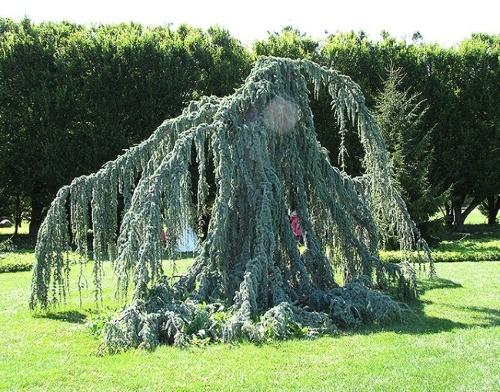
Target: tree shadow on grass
(491, 315)
(436, 283)
(416, 322)
(68, 316)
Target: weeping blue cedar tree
(266, 159)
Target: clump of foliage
(490, 207)
(6, 246)
(96, 322)
(263, 146)
(12, 261)
(16, 265)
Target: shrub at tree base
(14, 266)
(249, 279)
(10, 261)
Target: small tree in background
(399, 114)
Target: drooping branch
(96, 193)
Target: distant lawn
(475, 242)
(450, 343)
(23, 229)
(476, 218)
(467, 247)
(21, 257)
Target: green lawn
(475, 218)
(451, 342)
(20, 258)
(476, 242)
(465, 247)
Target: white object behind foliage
(187, 242)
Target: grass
(466, 248)
(449, 343)
(469, 246)
(18, 256)
(475, 218)
(21, 256)
(23, 229)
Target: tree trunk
(36, 215)
(460, 216)
(448, 215)
(17, 216)
(493, 207)
(456, 206)
(474, 203)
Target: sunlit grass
(23, 229)
(475, 218)
(448, 344)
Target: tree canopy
(400, 115)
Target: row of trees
(72, 98)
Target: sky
(443, 21)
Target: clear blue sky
(445, 22)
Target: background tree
(71, 98)
(490, 207)
(36, 100)
(468, 149)
(399, 114)
(289, 43)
